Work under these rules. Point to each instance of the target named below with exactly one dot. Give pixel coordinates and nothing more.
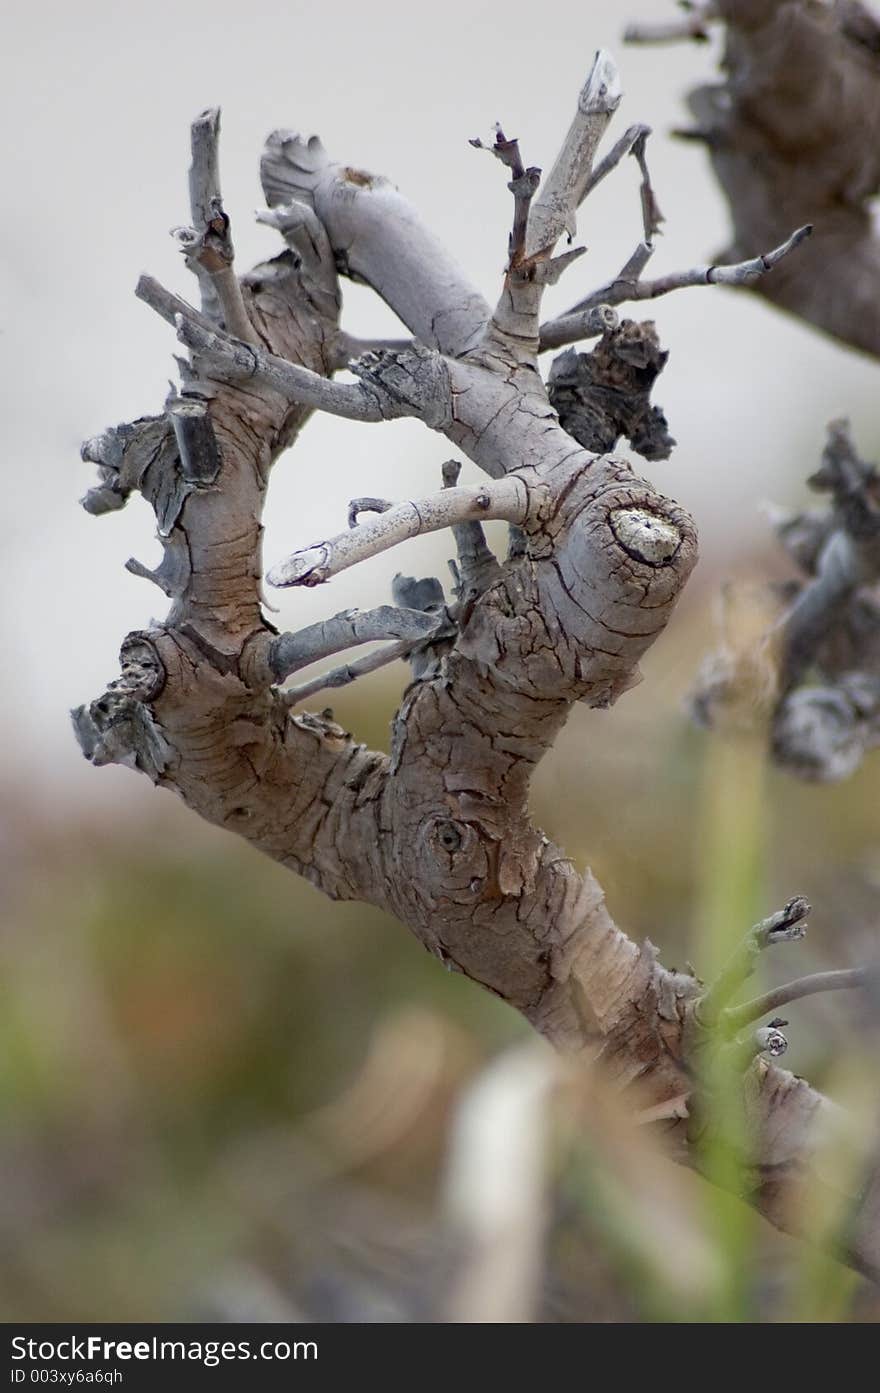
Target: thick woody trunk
(438, 832)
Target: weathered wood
(438, 832)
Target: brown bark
(438, 832)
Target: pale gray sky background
(97, 100)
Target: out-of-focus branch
(693, 25)
(793, 134)
(843, 979)
(787, 925)
(811, 673)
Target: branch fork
(438, 831)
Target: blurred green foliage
(197, 1117)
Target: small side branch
(553, 211)
(788, 925)
(625, 288)
(651, 215)
(211, 249)
(168, 305)
(290, 652)
(619, 150)
(574, 328)
(233, 361)
(349, 672)
(504, 498)
(366, 505)
(845, 979)
(207, 245)
(523, 185)
(204, 188)
(478, 566)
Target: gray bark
(438, 833)
(793, 134)
(813, 679)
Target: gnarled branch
(437, 832)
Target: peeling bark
(438, 832)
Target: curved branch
(843, 979)
(378, 237)
(507, 499)
(438, 833)
(290, 652)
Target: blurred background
(221, 1095)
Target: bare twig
(233, 361)
(636, 263)
(342, 676)
(168, 305)
(504, 498)
(574, 328)
(477, 564)
(204, 187)
(210, 247)
(630, 288)
(787, 925)
(553, 211)
(366, 505)
(207, 245)
(523, 185)
(651, 215)
(290, 652)
(619, 150)
(736, 1017)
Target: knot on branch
(451, 859)
(143, 672)
(646, 535)
(606, 559)
(118, 728)
(413, 381)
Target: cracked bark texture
(438, 832)
(793, 134)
